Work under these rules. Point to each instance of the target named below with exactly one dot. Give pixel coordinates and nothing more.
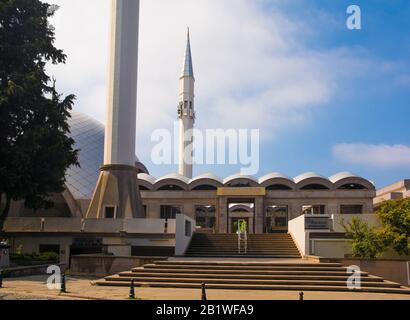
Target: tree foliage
(368, 242)
(35, 150)
(395, 218)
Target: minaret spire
(186, 112)
(188, 70)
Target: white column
(122, 92)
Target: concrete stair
(239, 275)
(259, 245)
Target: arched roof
(343, 178)
(308, 178)
(240, 178)
(172, 179)
(206, 179)
(146, 181)
(276, 178)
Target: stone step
(253, 287)
(244, 276)
(248, 264)
(259, 256)
(208, 280)
(243, 267)
(246, 272)
(225, 250)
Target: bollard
(301, 296)
(203, 292)
(1, 279)
(63, 287)
(132, 291)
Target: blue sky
(325, 98)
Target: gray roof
(188, 69)
(88, 135)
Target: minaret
(186, 113)
(117, 193)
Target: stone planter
(4, 256)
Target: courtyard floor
(34, 288)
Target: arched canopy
(206, 181)
(239, 180)
(277, 181)
(146, 181)
(241, 208)
(313, 181)
(172, 182)
(350, 181)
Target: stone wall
(102, 266)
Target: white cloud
(252, 66)
(249, 67)
(380, 155)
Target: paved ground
(82, 288)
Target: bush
(367, 243)
(34, 258)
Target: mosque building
(266, 204)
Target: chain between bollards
(63, 286)
(301, 296)
(132, 290)
(203, 286)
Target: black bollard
(1, 279)
(203, 292)
(63, 287)
(132, 290)
(301, 296)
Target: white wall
(181, 239)
(299, 234)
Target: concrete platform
(34, 288)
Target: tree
(35, 151)
(395, 217)
(367, 243)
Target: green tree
(367, 242)
(395, 218)
(35, 150)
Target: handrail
(242, 236)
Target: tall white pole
(117, 192)
(122, 94)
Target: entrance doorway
(236, 224)
(241, 209)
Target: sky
(325, 98)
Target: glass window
(351, 209)
(169, 212)
(205, 216)
(314, 209)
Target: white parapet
(184, 230)
(299, 234)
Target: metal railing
(242, 239)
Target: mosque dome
(88, 135)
